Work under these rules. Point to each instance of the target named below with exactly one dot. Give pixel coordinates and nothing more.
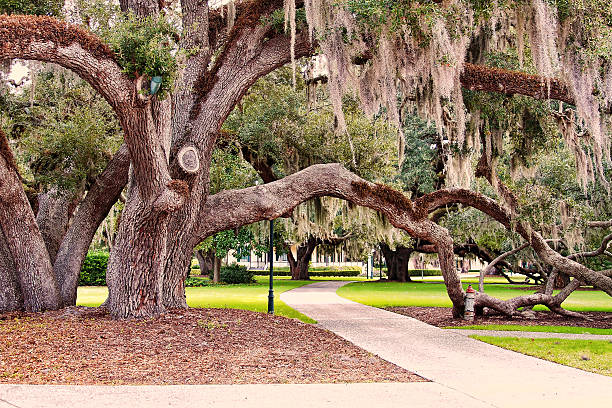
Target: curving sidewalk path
(484, 375)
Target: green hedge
(235, 273)
(313, 273)
(93, 272)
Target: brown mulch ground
(197, 346)
(442, 317)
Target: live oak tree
(380, 49)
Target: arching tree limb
(232, 208)
(50, 40)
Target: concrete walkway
(484, 374)
(409, 395)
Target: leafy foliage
(195, 282)
(34, 7)
(235, 274)
(145, 46)
(418, 172)
(93, 272)
(65, 132)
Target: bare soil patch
(442, 317)
(198, 346)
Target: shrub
(93, 272)
(193, 282)
(236, 274)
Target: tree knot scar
(189, 159)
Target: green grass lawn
(389, 294)
(248, 297)
(530, 328)
(588, 355)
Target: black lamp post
(271, 257)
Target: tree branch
(50, 40)
(481, 78)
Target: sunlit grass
(247, 297)
(392, 294)
(588, 355)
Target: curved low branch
(490, 266)
(233, 208)
(599, 251)
(600, 224)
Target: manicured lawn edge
(588, 355)
(533, 328)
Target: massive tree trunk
(23, 239)
(299, 266)
(198, 116)
(397, 262)
(10, 292)
(136, 265)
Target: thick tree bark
(10, 292)
(136, 265)
(397, 262)
(23, 239)
(55, 209)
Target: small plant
(234, 274)
(211, 324)
(146, 47)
